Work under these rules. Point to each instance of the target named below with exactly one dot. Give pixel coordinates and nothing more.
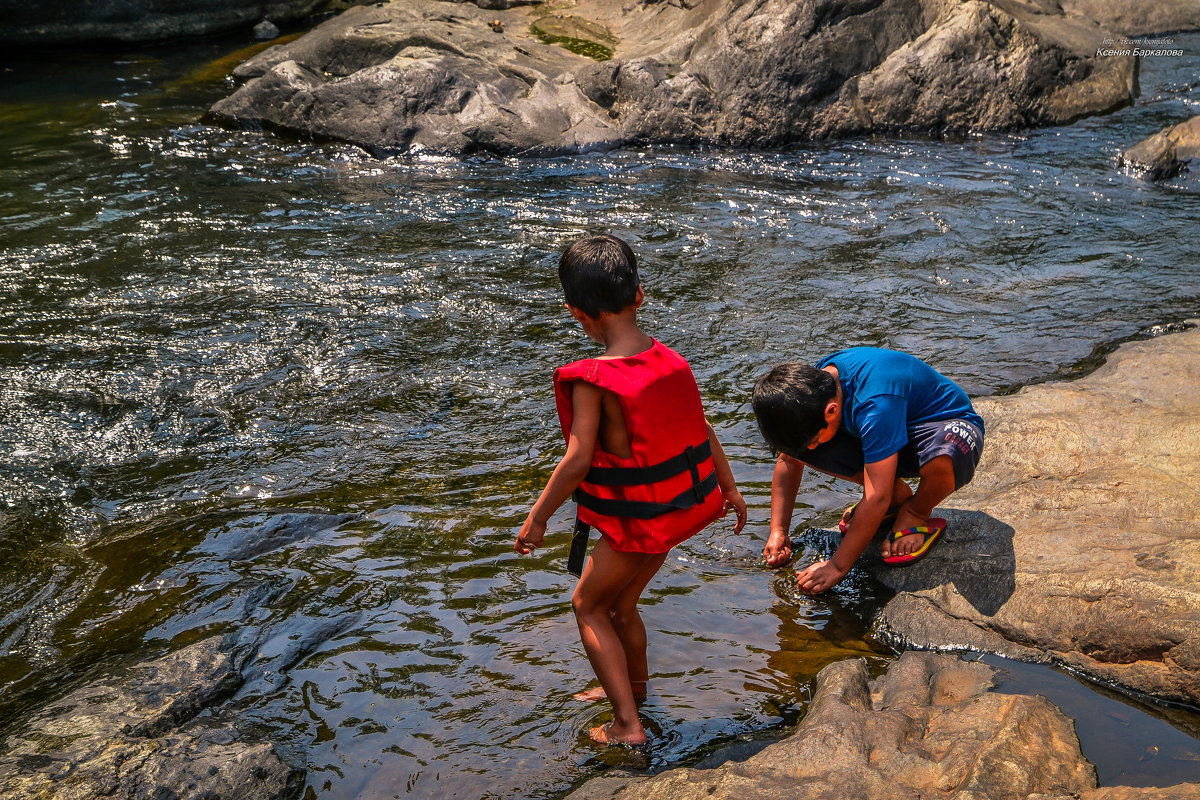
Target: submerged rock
(1083, 543)
(1164, 154)
(927, 728)
(454, 78)
(266, 30)
(43, 22)
(141, 735)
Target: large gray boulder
(53, 22)
(456, 78)
(137, 736)
(1079, 540)
(1165, 154)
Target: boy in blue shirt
(871, 416)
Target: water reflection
(291, 392)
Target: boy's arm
(581, 445)
(879, 478)
(785, 483)
(729, 490)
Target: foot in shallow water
(596, 693)
(611, 735)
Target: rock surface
(927, 728)
(1082, 545)
(455, 78)
(1163, 155)
(1138, 18)
(45, 22)
(138, 736)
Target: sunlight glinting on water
(289, 392)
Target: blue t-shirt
(885, 393)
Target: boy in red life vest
(642, 462)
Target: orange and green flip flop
(932, 531)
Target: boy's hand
(778, 550)
(737, 504)
(820, 576)
(532, 534)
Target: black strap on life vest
(579, 541)
(687, 461)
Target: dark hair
(789, 403)
(598, 274)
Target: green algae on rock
(452, 78)
(576, 34)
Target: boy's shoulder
(658, 359)
(863, 362)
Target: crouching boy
(871, 416)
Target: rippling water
(287, 391)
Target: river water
(288, 392)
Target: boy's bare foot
(905, 544)
(596, 694)
(610, 734)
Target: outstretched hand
(778, 550)
(532, 534)
(737, 504)
(818, 577)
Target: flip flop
(888, 518)
(931, 532)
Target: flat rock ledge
(141, 736)
(457, 78)
(928, 728)
(1081, 545)
(1165, 154)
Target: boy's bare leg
(605, 578)
(937, 483)
(900, 492)
(631, 631)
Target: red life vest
(667, 489)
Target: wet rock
(444, 77)
(1163, 155)
(927, 728)
(1082, 545)
(44, 22)
(257, 534)
(266, 30)
(139, 736)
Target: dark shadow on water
(975, 554)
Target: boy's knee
(578, 604)
(941, 471)
(622, 617)
(582, 605)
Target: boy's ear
(575, 312)
(639, 298)
(831, 411)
